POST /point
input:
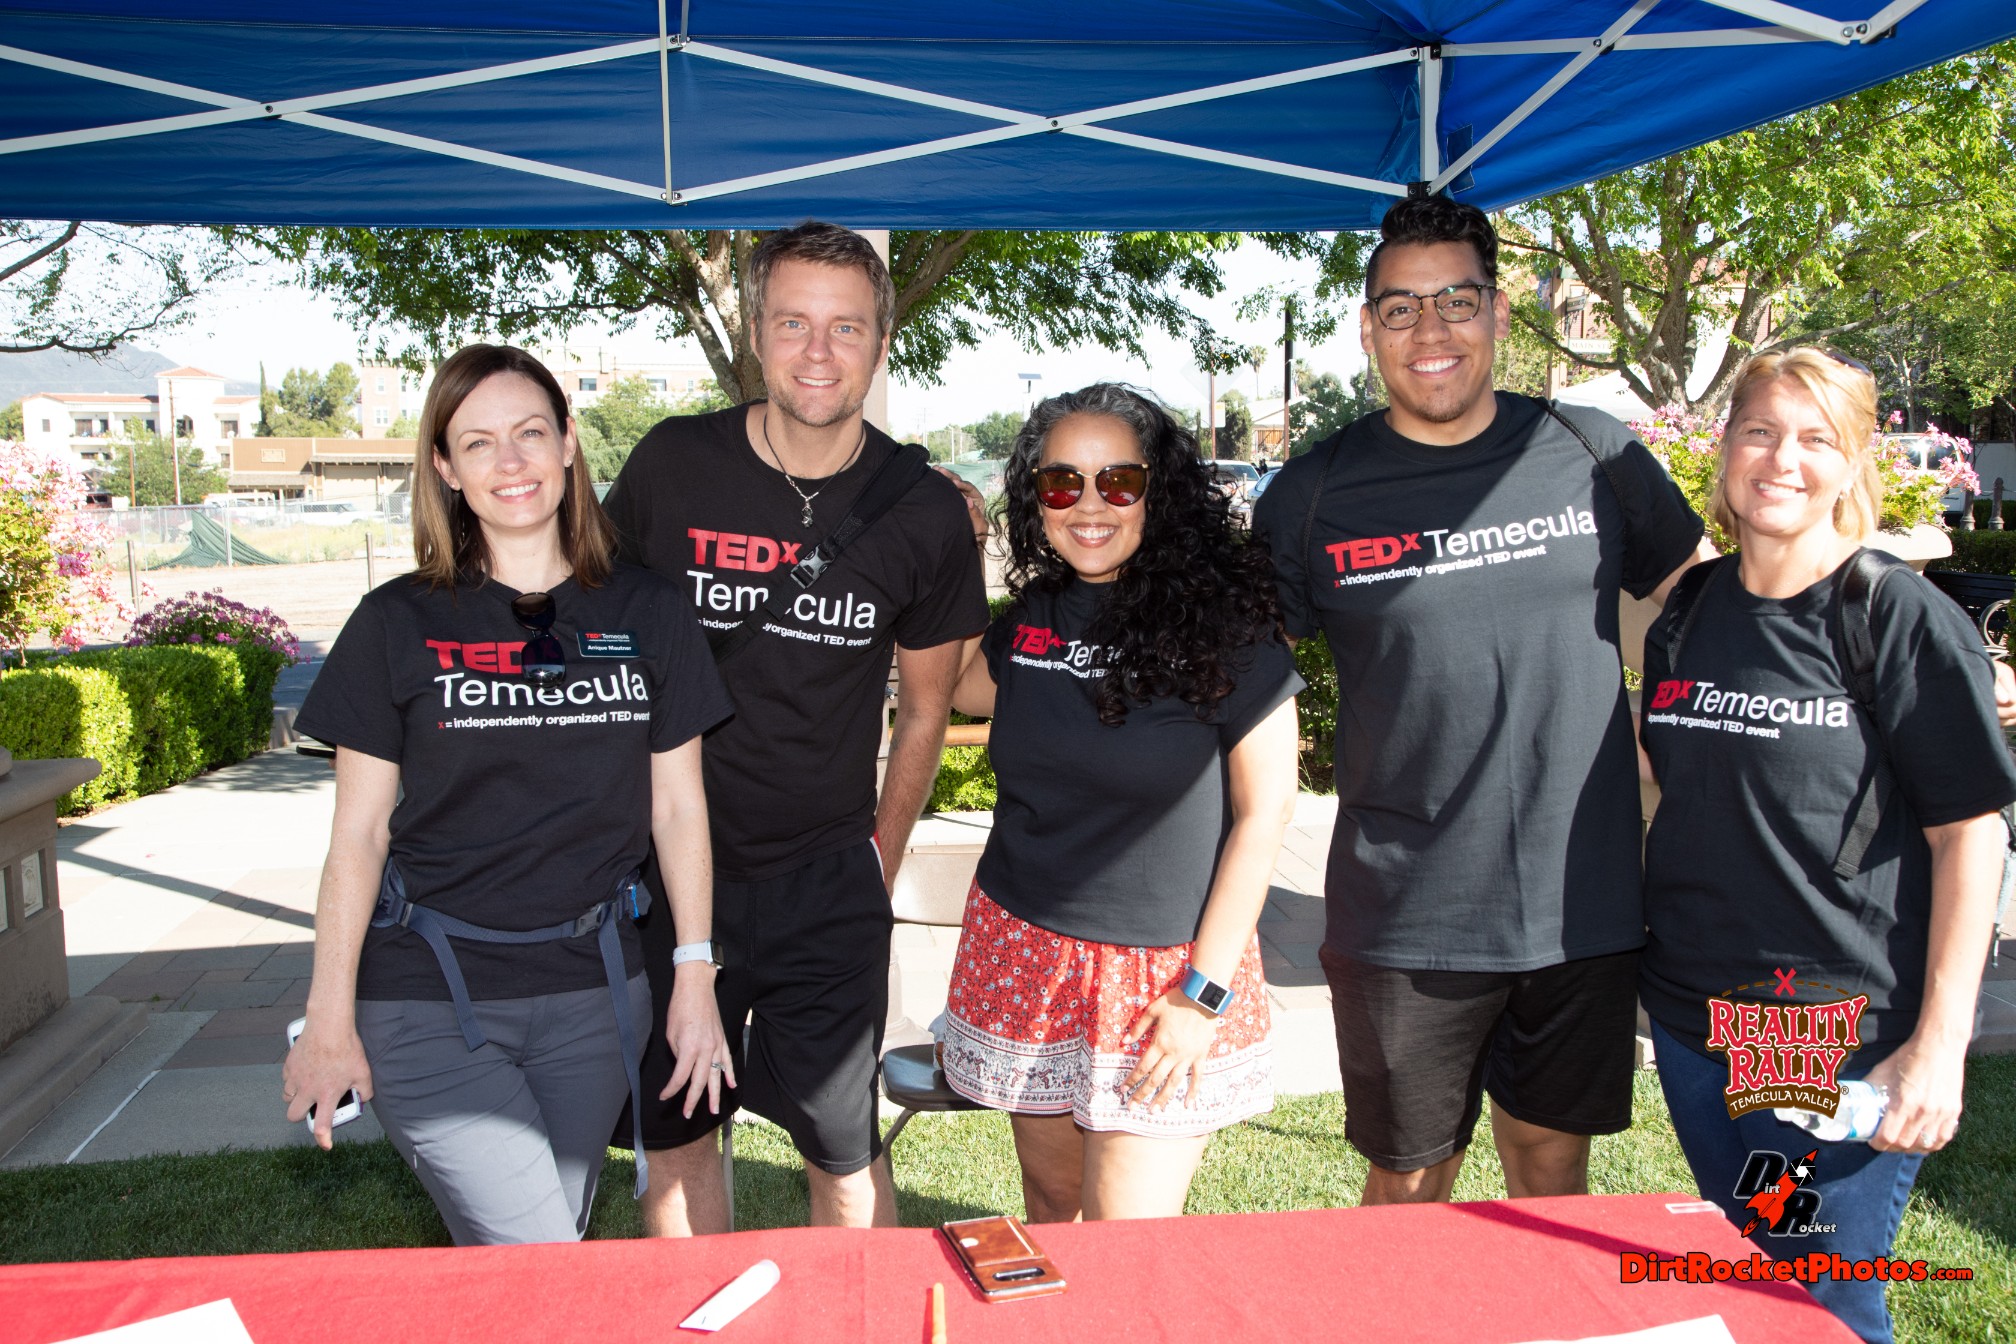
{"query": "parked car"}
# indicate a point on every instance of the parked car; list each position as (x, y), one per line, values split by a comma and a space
(329, 513)
(1236, 481)
(1930, 451)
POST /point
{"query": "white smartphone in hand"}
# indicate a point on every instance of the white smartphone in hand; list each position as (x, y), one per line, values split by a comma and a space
(348, 1109)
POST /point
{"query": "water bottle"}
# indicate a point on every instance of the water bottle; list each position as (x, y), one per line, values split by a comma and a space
(1856, 1119)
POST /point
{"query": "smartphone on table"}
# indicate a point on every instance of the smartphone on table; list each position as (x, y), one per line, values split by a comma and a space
(1002, 1258)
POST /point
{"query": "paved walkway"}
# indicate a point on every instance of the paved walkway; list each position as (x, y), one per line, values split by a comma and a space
(199, 903)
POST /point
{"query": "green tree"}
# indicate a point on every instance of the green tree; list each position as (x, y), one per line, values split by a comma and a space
(995, 435)
(953, 286)
(1327, 406)
(90, 288)
(12, 426)
(314, 405)
(405, 427)
(1951, 363)
(1905, 185)
(140, 460)
(625, 412)
(1236, 440)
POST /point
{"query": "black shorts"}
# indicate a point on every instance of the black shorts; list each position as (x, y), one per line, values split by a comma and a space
(807, 966)
(1419, 1049)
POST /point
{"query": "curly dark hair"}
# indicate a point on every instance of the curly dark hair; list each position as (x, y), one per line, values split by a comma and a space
(1189, 600)
(1420, 220)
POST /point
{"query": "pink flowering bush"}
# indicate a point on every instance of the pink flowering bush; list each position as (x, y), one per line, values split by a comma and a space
(53, 580)
(1689, 446)
(212, 618)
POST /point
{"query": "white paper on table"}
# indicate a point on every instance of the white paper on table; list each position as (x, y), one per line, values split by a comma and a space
(1700, 1330)
(745, 1292)
(212, 1323)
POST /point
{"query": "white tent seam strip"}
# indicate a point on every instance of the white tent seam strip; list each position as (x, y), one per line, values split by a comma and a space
(1704, 38)
(1430, 94)
(233, 108)
(872, 159)
(1540, 95)
(451, 150)
(1887, 18)
(814, 75)
(1211, 93)
(1274, 166)
(145, 83)
(1791, 16)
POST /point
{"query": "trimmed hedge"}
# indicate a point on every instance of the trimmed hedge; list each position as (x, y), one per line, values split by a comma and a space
(151, 716)
(54, 711)
(1981, 552)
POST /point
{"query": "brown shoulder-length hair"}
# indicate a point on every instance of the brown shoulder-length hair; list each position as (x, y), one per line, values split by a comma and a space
(448, 544)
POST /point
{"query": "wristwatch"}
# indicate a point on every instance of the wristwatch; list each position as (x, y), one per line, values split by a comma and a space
(709, 951)
(1206, 993)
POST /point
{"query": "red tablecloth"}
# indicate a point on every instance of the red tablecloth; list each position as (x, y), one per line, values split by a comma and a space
(1465, 1273)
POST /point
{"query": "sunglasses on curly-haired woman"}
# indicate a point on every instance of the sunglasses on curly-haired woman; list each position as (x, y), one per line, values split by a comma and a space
(1060, 486)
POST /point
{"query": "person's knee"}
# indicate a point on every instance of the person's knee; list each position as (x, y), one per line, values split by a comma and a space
(1052, 1191)
(699, 1159)
(1426, 1185)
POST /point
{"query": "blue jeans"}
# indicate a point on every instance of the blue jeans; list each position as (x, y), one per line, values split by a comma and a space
(1861, 1192)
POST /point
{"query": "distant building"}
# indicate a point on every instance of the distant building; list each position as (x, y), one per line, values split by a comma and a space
(322, 469)
(584, 383)
(87, 423)
(386, 393)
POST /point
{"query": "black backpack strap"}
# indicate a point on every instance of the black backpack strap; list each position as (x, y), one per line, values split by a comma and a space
(1331, 452)
(1855, 587)
(1683, 604)
(1622, 484)
(891, 481)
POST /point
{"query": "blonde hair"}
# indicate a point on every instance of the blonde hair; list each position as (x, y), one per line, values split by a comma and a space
(1846, 398)
(448, 544)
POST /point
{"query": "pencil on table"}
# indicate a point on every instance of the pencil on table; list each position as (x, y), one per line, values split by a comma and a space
(937, 1313)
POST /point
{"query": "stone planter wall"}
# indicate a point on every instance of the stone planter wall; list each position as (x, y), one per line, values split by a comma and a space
(34, 981)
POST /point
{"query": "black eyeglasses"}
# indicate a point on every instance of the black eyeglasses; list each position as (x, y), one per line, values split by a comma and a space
(543, 661)
(1398, 310)
(1061, 486)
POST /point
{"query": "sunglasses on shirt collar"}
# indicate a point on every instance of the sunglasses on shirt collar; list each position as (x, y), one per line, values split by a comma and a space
(1061, 486)
(543, 660)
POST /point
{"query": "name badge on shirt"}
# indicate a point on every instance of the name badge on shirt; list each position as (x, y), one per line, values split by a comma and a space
(608, 643)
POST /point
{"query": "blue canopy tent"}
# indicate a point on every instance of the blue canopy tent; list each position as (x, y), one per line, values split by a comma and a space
(1125, 114)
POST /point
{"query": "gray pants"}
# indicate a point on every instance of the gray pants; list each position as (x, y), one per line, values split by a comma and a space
(508, 1138)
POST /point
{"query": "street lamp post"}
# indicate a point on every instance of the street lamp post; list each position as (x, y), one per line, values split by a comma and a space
(1029, 381)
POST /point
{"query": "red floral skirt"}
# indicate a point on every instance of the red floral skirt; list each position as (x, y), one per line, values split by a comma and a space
(1036, 1022)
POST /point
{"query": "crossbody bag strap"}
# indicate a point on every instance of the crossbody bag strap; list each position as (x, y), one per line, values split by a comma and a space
(891, 481)
(1623, 485)
(1682, 606)
(1855, 629)
(1331, 453)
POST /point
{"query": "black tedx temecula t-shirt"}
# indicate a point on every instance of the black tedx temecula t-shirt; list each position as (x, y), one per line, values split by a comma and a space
(1108, 833)
(523, 806)
(1762, 754)
(792, 776)
(1487, 814)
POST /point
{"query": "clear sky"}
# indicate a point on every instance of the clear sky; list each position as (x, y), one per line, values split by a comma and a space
(261, 318)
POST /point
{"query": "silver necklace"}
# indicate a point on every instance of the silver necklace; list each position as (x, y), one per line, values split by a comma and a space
(805, 518)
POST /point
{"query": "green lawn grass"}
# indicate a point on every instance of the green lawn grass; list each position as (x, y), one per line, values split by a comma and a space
(949, 1166)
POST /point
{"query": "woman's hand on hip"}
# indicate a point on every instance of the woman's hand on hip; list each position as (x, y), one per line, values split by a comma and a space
(1925, 1083)
(1179, 1038)
(700, 1056)
(326, 1061)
